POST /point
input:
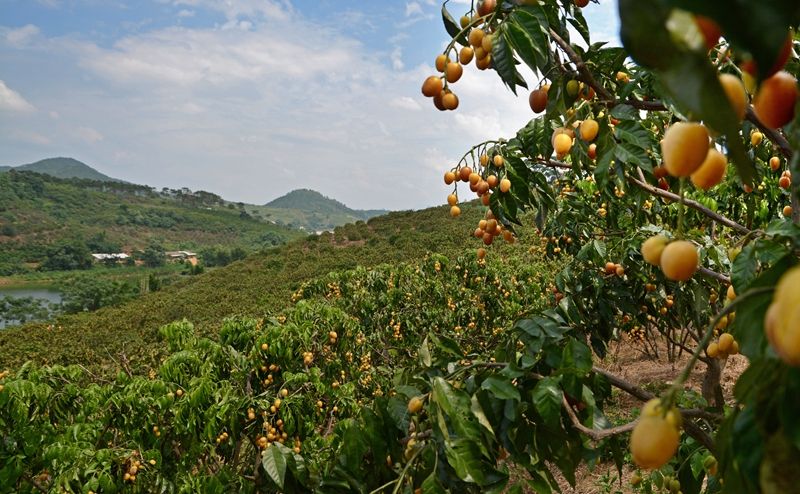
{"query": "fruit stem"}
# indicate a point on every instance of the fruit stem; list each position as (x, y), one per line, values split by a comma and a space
(473, 23)
(678, 383)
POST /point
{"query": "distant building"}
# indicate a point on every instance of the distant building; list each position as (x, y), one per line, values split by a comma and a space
(101, 257)
(181, 255)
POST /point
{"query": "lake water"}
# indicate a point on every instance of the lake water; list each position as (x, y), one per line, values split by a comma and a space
(49, 294)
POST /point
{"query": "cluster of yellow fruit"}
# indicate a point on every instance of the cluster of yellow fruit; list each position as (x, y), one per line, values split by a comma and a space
(614, 269)
(332, 337)
(133, 469)
(563, 138)
(308, 358)
(724, 347)
(483, 187)
(222, 438)
(786, 180)
(479, 49)
(782, 321)
(678, 259)
(655, 437)
(156, 431)
(489, 228)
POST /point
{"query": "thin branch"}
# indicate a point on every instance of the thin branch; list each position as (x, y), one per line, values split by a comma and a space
(773, 135)
(583, 70)
(688, 202)
(690, 427)
(594, 434)
(643, 105)
(713, 274)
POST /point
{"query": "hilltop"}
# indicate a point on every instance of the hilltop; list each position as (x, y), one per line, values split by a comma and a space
(259, 285)
(38, 211)
(62, 168)
(311, 211)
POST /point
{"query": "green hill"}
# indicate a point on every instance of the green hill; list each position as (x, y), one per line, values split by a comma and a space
(261, 284)
(38, 211)
(311, 211)
(62, 168)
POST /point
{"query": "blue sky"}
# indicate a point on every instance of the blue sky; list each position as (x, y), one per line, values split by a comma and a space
(248, 98)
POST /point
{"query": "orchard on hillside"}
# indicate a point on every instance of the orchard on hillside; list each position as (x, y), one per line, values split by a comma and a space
(485, 373)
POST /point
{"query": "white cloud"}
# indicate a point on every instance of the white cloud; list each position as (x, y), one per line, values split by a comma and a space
(186, 13)
(413, 8)
(397, 58)
(22, 35)
(88, 134)
(11, 100)
(30, 137)
(233, 9)
(406, 103)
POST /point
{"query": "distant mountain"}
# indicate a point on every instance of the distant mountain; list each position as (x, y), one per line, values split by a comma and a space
(62, 168)
(311, 211)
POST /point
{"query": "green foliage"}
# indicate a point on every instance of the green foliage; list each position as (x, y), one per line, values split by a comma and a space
(67, 255)
(88, 293)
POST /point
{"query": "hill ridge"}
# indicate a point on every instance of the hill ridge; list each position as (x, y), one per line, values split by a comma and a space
(62, 167)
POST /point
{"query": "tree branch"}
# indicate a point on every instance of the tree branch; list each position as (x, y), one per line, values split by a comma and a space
(713, 274)
(594, 434)
(690, 427)
(773, 135)
(585, 74)
(690, 203)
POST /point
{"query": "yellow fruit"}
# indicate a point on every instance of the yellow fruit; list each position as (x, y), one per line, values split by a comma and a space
(264, 347)
(679, 260)
(450, 101)
(486, 43)
(453, 72)
(734, 90)
(725, 342)
(452, 199)
(449, 178)
(684, 148)
(652, 249)
(432, 86)
(441, 62)
(711, 171)
(465, 55)
(775, 101)
(455, 211)
(481, 252)
(498, 160)
(414, 405)
(505, 185)
(589, 130)
(653, 442)
(734, 348)
(756, 138)
(713, 350)
(787, 211)
(562, 144)
(731, 294)
(774, 163)
(782, 321)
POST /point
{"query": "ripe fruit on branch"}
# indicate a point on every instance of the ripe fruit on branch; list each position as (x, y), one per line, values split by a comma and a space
(712, 171)
(655, 437)
(775, 101)
(455, 211)
(465, 55)
(734, 90)
(484, 63)
(453, 72)
(476, 37)
(573, 87)
(756, 138)
(589, 130)
(592, 151)
(774, 163)
(684, 148)
(452, 199)
(486, 7)
(787, 211)
(486, 43)
(782, 320)
(415, 405)
(652, 249)
(562, 144)
(449, 178)
(581, 3)
(679, 260)
(538, 100)
(432, 86)
(498, 160)
(441, 62)
(464, 173)
(505, 185)
(450, 101)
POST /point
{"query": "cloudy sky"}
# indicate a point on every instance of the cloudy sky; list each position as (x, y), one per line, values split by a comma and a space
(248, 98)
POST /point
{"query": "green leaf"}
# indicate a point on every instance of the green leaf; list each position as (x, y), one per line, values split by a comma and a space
(743, 271)
(547, 396)
(625, 112)
(503, 60)
(453, 29)
(501, 388)
(577, 357)
(425, 353)
(274, 463)
(465, 458)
